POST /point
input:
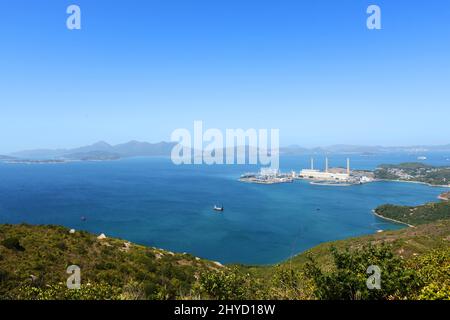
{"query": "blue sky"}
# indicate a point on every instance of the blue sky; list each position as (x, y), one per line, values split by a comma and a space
(140, 69)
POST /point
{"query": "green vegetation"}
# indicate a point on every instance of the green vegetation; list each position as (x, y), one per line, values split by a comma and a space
(412, 171)
(434, 270)
(349, 276)
(13, 244)
(416, 215)
(33, 262)
(228, 284)
(412, 248)
(408, 166)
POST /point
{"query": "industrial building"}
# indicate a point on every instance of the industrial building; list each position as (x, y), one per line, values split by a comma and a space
(327, 175)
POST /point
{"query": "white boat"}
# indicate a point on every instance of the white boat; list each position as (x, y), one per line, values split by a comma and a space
(217, 208)
(422, 158)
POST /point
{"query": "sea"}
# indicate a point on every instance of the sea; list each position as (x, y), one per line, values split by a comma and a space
(153, 202)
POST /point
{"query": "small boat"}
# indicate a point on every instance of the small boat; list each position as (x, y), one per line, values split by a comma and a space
(217, 208)
(422, 158)
(83, 218)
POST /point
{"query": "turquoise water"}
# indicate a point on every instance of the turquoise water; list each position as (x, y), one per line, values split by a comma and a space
(152, 202)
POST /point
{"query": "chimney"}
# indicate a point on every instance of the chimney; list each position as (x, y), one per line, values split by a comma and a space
(312, 163)
(326, 164)
(348, 166)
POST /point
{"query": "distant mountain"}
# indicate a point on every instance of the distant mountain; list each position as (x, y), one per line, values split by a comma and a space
(2, 157)
(99, 146)
(294, 150)
(136, 148)
(39, 153)
(344, 148)
(101, 150)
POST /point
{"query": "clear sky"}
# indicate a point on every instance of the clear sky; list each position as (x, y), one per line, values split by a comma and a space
(140, 69)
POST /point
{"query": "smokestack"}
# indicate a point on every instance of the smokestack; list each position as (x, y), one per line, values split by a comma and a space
(348, 166)
(326, 164)
(312, 163)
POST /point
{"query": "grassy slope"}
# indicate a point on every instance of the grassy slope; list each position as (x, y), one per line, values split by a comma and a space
(49, 250)
(407, 243)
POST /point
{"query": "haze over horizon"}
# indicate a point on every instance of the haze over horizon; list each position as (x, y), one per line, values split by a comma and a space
(138, 71)
(102, 144)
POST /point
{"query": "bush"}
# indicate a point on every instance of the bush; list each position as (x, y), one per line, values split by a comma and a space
(290, 284)
(226, 285)
(98, 291)
(433, 270)
(12, 243)
(347, 280)
(61, 246)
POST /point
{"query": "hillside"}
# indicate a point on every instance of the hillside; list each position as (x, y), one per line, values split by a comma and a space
(100, 150)
(407, 243)
(33, 262)
(38, 256)
(416, 215)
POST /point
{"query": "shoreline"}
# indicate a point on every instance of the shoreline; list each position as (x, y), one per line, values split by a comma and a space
(445, 196)
(393, 220)
(418, 182)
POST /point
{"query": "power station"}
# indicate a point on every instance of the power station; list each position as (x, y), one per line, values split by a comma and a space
(335, 174)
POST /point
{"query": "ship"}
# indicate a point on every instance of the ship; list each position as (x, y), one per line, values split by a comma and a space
(217, 208)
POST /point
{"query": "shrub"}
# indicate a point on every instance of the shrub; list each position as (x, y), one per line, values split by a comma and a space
(12, 243)
(98, 291)
(347, 280)
(433, 270)
(290, 284)
(226, 285)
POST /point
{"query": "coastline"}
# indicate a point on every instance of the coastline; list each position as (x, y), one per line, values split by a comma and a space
(393, 220)
(418, 182)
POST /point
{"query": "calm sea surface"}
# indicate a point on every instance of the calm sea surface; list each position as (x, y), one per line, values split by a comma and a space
(153, 202)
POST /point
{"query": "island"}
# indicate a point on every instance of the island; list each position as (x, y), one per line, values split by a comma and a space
(79, 156)
(36, 161)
